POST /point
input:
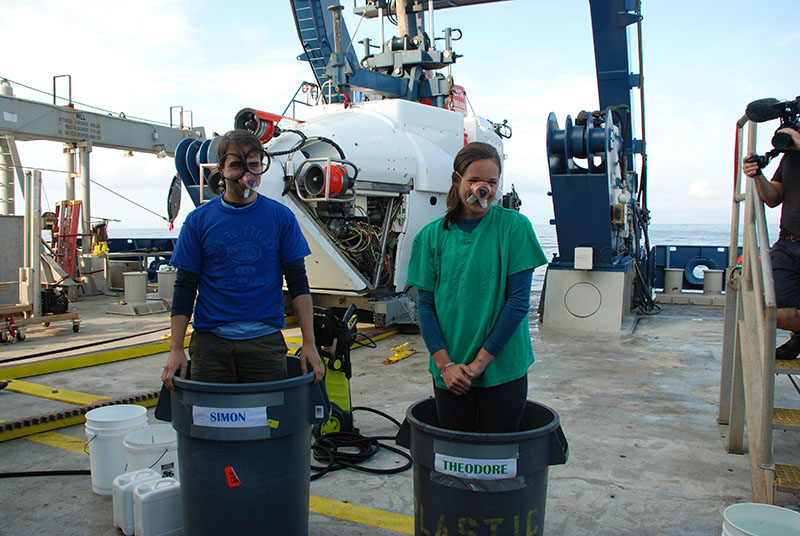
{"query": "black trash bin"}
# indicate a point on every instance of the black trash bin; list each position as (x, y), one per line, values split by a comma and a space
(483, 484)
(243, 453)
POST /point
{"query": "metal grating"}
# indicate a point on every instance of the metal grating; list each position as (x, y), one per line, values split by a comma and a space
(787, 366)
(786, 419)
(787, 478)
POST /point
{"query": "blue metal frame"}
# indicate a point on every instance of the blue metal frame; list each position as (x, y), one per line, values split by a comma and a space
(592, 164)
(393, 73)
(314, 24)
(610, 19)
(686, 258)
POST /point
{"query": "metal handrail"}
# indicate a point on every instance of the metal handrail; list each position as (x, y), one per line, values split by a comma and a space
(748, 363)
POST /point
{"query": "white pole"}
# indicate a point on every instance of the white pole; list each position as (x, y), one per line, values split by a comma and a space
(26, 221)
(6, 179)
(86, 216)
(430, 14)
(380, 16)
(69, 161)
(36, 242)
(6, 164)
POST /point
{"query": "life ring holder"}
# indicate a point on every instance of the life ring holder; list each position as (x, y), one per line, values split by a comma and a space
(688, 271)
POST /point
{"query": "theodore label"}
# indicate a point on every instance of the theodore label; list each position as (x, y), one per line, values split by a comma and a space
(478, 469)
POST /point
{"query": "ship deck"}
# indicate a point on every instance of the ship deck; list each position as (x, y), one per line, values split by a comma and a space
(639, 411)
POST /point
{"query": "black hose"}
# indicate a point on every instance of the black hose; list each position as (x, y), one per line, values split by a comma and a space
(80, 346)
(337, 450)
(329, 142)
(296, 147)
(58, 472)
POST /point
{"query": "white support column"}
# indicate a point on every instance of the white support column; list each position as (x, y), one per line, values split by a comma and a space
(86, 216)
(70, 150)
(6, 179)
(6, 164)
(35, 261)
(30, 273)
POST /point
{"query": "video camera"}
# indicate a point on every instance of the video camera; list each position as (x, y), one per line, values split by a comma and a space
(762, 110)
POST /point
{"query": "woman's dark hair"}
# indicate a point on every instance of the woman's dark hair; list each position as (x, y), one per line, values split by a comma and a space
(471, 152)
(244, 140)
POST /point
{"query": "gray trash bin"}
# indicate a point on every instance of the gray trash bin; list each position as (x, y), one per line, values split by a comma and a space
(243, 450)
(483, 484)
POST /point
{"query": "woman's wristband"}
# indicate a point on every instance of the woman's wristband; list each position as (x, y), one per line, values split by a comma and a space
(445, 367)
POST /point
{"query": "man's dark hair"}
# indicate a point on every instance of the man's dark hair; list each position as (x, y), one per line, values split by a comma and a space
(471, 152)
(241, 139)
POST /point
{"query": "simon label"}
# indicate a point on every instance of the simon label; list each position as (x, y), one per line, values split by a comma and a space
(229, 417)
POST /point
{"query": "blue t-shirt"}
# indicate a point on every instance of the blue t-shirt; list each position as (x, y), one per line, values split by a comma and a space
(238, 253)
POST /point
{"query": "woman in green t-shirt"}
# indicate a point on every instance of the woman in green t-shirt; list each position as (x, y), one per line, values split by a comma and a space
(473, 270)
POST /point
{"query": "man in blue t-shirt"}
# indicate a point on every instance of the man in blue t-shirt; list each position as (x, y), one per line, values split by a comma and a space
(232, 255)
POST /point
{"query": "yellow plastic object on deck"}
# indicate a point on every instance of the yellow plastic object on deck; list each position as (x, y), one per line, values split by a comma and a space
(381, 519)
(61, 441)
(400, 352)
(53, 393)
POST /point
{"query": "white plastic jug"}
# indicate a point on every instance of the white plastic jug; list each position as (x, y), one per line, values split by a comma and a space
(122, 496)
(157, 508)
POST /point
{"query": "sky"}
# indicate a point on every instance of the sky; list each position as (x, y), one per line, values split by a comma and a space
(522, 59)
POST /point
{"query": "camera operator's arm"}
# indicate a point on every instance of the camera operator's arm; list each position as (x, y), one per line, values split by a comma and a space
(770, 192)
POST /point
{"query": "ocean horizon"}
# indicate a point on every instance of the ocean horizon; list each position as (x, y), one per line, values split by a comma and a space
(670, 234)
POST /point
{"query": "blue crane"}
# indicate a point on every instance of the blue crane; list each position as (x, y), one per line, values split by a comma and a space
(599, 198)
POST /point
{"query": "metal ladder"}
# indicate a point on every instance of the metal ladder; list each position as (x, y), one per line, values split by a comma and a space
(749, 369)
(65, 236)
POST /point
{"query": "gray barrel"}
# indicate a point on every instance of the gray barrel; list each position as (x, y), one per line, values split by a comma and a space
(483, 484)
(243, 450)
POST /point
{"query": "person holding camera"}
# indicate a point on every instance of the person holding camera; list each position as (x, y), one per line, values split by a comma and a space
(784, 188)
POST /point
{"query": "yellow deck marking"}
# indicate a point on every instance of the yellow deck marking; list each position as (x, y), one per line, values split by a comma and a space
(88, 360)
(99, 358)
(361, 514)
(52, 393)
(65, 442)
(328, 507)
(26, 431)
(32, 429)
(299, 340)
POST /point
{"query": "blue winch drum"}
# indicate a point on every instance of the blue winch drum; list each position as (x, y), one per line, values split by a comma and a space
(483, 484)
(243, 450)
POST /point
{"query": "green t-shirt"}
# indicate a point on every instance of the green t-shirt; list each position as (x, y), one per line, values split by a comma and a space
(467, 274)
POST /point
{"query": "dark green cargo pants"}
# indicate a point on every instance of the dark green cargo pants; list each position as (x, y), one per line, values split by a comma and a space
(215, 359)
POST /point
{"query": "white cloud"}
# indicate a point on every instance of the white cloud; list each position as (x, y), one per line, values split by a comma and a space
(521, 61)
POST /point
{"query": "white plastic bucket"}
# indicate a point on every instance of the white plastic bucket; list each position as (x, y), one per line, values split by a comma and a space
(166, 281)
(756, 519)
(712, 281)
(135, 287)
(673, 280)
(153, 447)
(105, 429)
